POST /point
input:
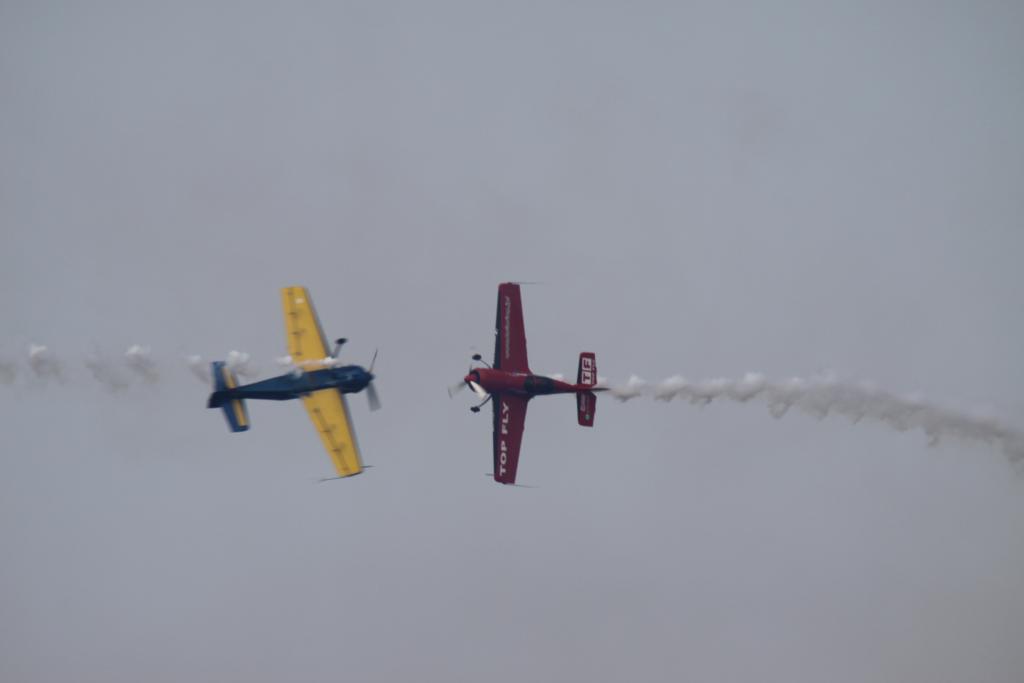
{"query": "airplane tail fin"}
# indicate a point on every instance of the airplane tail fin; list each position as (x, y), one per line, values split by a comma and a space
(586, 401)
(587, 373)
(224, 382)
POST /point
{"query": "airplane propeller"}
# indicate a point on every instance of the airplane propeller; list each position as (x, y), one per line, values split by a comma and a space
(477, 389)
(461, 384)
(371, 391)
(371, 397)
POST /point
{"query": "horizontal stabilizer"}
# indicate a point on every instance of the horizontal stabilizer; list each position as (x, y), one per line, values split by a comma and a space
(586, 405)
(224, 383)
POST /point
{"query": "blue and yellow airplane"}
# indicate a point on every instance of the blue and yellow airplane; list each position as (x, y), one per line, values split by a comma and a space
(318, 380)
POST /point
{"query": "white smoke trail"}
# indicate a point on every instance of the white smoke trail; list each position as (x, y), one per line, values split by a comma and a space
(827, 394)
(631, 389)
(140, 360)
(198, 368)
(240, 363)
(293, 366)
(8, 371)
(287, 364)
(44, 364)
(105, 372)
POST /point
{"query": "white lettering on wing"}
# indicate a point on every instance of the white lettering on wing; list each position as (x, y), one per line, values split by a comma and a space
(508, 320)
(503, 446)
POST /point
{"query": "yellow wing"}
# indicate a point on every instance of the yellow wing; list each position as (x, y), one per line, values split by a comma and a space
(329, 412)
(305, 338)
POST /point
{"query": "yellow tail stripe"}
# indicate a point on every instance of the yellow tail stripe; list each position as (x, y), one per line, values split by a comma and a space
(236, 404)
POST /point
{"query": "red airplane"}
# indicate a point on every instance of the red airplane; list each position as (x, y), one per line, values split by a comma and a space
(510, 384)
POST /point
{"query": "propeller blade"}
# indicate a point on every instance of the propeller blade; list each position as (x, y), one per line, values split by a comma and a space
(478, 390)
(456, 388)
(373, 361)
(371, 396)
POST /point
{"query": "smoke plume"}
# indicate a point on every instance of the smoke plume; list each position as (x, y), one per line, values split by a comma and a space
(137, 363)
(44, 364)
(240, 363)
(827, 394)
(198, 368)
(106, 372)
(139, 360)
(8, 371)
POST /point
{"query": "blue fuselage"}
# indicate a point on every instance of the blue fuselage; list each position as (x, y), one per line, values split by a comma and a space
(348, 379)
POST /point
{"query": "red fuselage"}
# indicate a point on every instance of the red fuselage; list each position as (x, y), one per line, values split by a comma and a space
(522, 383)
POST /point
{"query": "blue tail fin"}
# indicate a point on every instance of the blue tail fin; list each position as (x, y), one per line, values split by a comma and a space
(224, 383)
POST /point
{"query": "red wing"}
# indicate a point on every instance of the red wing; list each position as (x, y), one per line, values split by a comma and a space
(509, 420)
(510, 340)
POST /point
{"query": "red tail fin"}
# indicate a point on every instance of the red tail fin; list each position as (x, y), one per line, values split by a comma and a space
(586, 401)
(587, 373)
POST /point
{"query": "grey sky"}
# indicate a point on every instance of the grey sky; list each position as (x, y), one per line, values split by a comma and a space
(705, 190)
